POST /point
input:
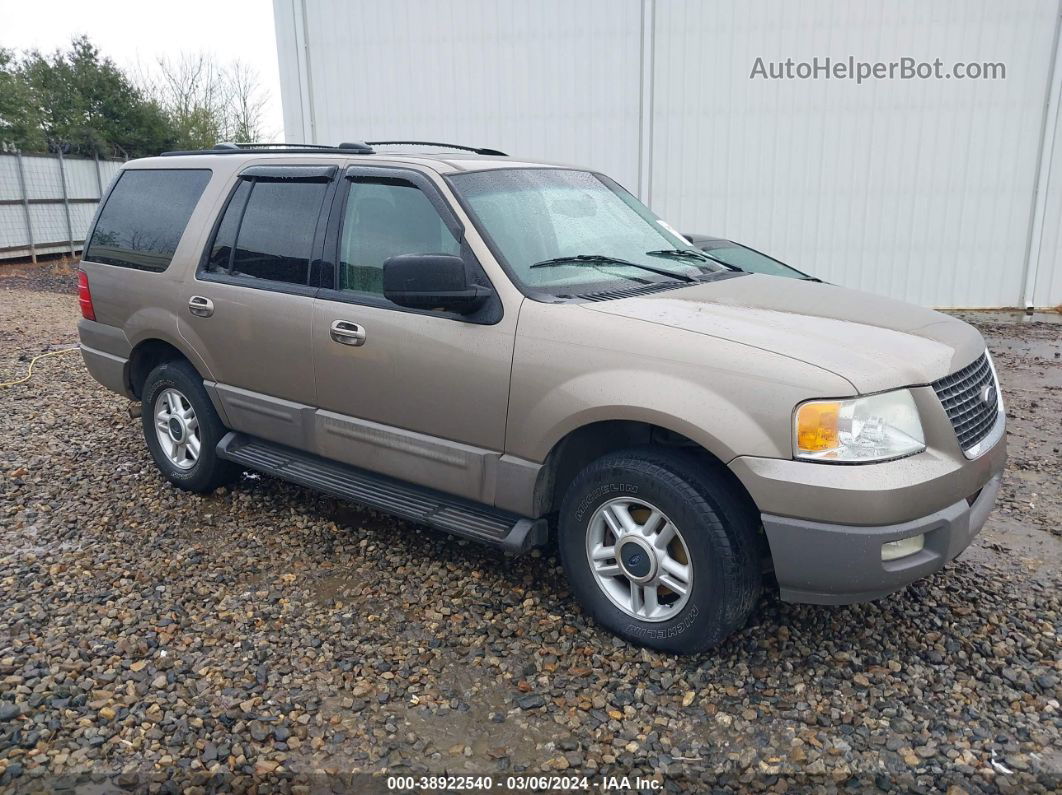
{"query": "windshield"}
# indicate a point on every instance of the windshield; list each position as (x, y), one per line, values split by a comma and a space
(749, 259)
(541, 219)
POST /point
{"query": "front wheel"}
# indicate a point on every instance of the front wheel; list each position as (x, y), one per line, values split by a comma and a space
(659, 550)
(182, 429)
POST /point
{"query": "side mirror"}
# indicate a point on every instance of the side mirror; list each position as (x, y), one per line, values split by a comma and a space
(431, 281)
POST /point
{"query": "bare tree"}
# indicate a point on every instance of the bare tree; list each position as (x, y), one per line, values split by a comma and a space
(208, 102)
(246, 104)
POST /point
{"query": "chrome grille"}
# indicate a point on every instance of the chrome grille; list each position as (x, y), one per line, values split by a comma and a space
(962, 395)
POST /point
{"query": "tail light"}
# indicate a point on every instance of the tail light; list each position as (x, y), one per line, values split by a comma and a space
(84, 296)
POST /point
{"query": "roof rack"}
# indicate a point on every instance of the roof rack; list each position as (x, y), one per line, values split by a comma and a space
(347, 147)
(228, 148)
(478, 150)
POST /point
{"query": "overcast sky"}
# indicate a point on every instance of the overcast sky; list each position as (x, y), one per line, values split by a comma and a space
(133, 33)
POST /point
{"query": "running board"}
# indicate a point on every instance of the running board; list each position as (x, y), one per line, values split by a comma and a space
(435, 509)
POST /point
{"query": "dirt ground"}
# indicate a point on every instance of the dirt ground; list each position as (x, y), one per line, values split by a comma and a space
(1027, 523)
(154, 640)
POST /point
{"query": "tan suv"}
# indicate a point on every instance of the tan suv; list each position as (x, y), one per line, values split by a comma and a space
(503, 349)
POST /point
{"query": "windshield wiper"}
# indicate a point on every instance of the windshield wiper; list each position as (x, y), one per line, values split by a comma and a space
(685, 253)
(678, 253)
(703, 256)
(602, 259)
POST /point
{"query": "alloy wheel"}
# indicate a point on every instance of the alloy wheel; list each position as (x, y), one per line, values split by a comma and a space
(177, 428)
(639, 559)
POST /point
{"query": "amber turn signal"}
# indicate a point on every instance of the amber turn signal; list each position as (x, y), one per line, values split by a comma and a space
(816, 426)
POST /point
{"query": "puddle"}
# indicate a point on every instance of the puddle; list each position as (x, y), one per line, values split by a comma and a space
(333, 587)
(1005, 541)
(1029, 357)
(515, 740)
(1036, 350)
(25, 542)
(483, 726)
(981, 317)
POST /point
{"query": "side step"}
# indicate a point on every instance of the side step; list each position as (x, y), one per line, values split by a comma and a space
(435, 509)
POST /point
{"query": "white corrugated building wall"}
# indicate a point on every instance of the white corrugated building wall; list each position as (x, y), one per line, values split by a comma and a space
(945, 192)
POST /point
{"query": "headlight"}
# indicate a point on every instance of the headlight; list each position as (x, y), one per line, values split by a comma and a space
(858, 430)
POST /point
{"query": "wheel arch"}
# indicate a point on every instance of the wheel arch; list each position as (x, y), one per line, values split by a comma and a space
(582, 445)
(147, 354)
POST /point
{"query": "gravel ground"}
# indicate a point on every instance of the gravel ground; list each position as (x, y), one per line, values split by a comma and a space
(156, 640)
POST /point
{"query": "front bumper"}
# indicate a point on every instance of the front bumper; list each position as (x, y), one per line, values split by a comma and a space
(822, 563)
(825, 523)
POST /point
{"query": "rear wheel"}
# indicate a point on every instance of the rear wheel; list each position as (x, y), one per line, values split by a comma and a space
(659, 550)
(182, 429)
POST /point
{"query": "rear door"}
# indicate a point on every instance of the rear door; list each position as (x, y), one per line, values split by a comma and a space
(250, 308)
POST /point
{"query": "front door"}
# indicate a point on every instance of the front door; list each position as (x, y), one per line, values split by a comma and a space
(418, 395)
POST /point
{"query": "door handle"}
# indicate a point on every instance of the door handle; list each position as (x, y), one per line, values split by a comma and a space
(200, 306)
(346, 333)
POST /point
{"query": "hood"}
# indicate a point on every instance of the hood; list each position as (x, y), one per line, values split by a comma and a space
(875, 343)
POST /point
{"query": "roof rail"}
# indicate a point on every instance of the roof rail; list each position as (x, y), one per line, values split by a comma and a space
(459, 147)
(349, 147)
(228, 148)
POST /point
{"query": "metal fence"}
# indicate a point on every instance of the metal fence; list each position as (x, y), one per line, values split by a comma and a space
(47, 202)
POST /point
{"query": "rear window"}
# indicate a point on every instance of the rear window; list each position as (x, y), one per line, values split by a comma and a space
(144, 217)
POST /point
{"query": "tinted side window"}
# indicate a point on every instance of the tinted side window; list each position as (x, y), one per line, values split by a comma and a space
(225, 240)
(144, 217)
(384, 218)
(276, 234)
(267, 231)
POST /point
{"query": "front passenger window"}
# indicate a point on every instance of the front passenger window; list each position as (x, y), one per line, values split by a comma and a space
(386, 217)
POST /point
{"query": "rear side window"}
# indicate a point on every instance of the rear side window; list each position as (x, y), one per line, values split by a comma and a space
(220, 260)
(267, 231)
(144, 217)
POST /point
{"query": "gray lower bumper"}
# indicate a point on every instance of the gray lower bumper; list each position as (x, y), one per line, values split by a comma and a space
(824, 563)
(106, 368)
